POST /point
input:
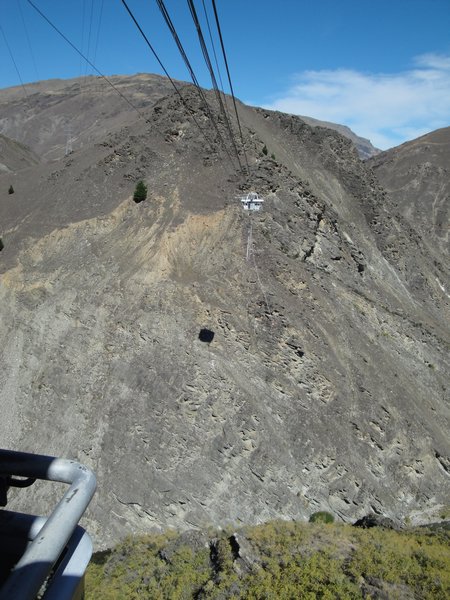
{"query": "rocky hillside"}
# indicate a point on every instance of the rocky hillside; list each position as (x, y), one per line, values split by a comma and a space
(325, 386)
(15, 156)
(86, 109)
(363, 146)
(417, 176)
(83, 110)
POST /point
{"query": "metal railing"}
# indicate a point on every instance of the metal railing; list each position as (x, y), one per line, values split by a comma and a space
(56, 550)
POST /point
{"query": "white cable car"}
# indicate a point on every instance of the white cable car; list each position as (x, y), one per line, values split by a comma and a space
(252, 201)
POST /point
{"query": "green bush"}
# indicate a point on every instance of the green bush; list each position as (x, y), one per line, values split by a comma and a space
(265, 151)
(11, 190)
(321, 517)
(140, 192)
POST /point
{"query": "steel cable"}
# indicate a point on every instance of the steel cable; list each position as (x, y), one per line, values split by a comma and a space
(108, 81)
(14, 63)
(229, 78)
(185, 58)
(183, 101)
(213, 77)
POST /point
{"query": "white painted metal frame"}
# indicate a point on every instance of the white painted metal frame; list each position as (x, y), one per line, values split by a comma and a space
(52, 537)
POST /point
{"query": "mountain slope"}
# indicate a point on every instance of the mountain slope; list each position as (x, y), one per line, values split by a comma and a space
(83, 110)
(325, 385)
(363, 146)
(15, 156)
(417, 175)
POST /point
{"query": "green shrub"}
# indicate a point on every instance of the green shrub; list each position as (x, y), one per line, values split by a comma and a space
(321, 517)
(140, 192)
(11, 190)
(265, 151)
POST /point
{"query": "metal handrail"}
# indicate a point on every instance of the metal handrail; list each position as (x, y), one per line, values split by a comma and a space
(38, 560)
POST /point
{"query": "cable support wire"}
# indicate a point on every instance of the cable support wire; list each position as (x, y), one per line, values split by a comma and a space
(91, 17)
(108, 81)
(98, 32)
(14, 63)
(19, 3)
(175, 36)
(216, 60)
(213, 77)
(229, 78)
(153, 51)
(83, 12)
(214, 52)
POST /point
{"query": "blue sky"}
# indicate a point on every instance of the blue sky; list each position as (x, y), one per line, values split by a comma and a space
(380, 66)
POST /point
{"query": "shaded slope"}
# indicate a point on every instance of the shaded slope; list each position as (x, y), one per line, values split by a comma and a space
(15, 156)
(325, 386)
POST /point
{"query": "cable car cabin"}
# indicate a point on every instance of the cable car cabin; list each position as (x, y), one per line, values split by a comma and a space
(252, 201)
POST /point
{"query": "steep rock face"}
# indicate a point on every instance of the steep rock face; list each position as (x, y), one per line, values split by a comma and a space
(417, 176)
(364, 147)
(325, 385)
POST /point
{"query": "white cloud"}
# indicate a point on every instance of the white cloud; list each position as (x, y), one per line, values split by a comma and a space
(388, 109)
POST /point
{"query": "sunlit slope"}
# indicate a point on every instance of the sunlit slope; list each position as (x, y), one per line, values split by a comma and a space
(325, 386)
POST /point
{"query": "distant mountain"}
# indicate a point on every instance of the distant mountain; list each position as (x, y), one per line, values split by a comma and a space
(83, 109)
(364, 147)
(88, 108)
(417, 176)
(325, 384)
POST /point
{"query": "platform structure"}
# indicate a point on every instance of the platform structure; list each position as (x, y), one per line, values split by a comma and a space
(252, 201)
(44, 557)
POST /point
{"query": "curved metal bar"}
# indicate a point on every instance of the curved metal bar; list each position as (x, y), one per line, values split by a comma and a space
(21, 483)
(36, 563)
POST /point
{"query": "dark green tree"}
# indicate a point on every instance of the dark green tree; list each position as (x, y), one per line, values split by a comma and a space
(265, 151)
(11, 190)
(2, 245)
(140, 192)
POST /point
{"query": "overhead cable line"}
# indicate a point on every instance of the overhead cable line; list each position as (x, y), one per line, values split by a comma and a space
(89, 38)
(213, 77)
(98, 32)
(28, 40)
(229, 77)
(14, 63)
(183, 101)
(213, 45)
(82, 36)
(108, 81)
(211, 39)
(175, 36)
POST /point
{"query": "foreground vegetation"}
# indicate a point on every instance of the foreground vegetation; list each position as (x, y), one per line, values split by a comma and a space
(278, 560)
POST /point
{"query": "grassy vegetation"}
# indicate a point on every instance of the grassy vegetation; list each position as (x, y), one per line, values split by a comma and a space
(278, 560)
